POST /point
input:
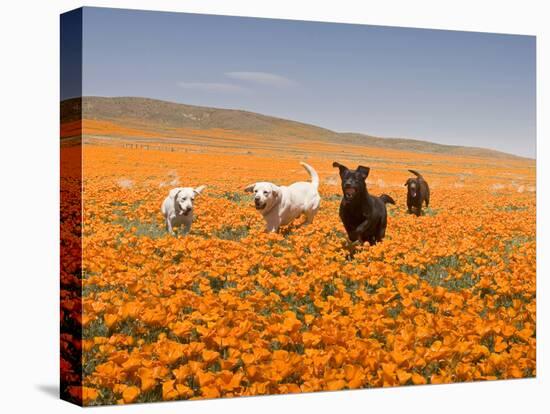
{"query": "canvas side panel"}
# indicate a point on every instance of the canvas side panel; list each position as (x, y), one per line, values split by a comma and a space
(71, 207)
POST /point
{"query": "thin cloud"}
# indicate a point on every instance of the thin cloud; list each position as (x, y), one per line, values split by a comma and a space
(262, 78)
(212, 86)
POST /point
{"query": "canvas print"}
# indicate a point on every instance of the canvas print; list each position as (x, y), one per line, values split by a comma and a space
(257, 206)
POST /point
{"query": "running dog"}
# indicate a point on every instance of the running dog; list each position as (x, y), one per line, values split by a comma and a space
(418, 192)
(364, 216)
(177, 207)
(281, 204)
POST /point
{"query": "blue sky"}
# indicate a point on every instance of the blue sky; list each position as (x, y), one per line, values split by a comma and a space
(449, 87)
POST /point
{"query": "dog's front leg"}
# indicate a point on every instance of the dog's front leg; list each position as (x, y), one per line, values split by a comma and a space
(169, 228)
(187, 228)
(361, 228)
(352, 236)
(272, 224)
(269, 228)
(350, 230)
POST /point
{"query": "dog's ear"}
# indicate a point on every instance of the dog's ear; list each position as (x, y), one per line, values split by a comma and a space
(364, 171)
(174, 192)
(276, 190)
(249, 188)
(341, 167)
(199, 189)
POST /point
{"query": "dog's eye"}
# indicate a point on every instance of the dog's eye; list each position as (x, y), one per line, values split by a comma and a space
(265, 192)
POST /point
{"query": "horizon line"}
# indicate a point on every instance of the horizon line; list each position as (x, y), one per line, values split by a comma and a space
(305, 123)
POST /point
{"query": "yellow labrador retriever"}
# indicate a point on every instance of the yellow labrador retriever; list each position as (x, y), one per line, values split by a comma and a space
(281, 204)
(177, 207)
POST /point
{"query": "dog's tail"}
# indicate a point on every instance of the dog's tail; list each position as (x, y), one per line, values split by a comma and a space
(312, 173)
(416, 173)
(387, 199)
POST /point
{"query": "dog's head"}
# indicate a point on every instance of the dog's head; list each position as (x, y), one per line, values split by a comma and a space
(353, 181)
(184, 197)
(412, 187)
(266, 195)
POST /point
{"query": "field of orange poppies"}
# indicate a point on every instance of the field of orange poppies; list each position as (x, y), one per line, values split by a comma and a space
(229, 310)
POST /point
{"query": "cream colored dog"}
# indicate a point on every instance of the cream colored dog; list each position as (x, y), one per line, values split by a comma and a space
(177, 208)
(280, 204)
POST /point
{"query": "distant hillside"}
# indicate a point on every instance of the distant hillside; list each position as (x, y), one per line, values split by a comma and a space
(160, 115)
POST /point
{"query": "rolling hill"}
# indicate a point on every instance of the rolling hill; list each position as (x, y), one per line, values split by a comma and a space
(163, 118)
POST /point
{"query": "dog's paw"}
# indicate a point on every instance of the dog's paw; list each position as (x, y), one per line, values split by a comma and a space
(356, 236)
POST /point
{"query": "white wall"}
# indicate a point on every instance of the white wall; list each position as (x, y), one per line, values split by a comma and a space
(29, 202)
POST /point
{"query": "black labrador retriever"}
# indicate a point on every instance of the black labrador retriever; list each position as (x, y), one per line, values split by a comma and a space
(418, 192)
(364, 216)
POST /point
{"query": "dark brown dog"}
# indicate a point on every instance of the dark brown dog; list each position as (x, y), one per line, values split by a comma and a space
(364, 216)
(418, 192)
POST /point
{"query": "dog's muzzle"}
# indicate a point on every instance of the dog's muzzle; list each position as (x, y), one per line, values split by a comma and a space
(186, 211)
(258, 204)
(349, 192)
